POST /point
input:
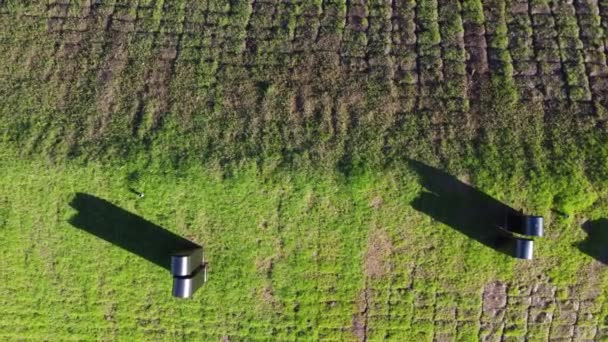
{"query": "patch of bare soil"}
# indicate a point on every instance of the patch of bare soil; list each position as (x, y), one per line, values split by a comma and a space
(376, 202)
(590, 288)
(360, 318)
(268, 299)
(494, 298)
(379, 249)
(265, 265)
(113, 66)
(158, 83)
(376, 265)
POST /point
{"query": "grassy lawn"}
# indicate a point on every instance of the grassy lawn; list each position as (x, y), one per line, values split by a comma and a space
(341, 163)
(292, 254)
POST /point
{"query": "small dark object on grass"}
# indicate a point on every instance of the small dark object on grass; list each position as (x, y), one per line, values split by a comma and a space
(139, 194)
(561, 213)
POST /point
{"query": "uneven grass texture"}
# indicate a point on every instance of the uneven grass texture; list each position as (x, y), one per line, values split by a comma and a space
(280, 135)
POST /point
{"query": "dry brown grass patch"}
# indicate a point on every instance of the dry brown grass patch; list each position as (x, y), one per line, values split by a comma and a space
(360, 318)
(379, 249)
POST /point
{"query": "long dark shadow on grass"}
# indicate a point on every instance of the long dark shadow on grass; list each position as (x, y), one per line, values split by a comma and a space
(133, 233)
(596, 243)
(464, 208)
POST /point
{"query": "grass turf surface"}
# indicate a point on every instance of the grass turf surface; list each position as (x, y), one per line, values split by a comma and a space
(291, 255)
(279, 136)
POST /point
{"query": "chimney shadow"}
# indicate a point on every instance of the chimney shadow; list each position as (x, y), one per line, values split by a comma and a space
(126, 230)
(466, 209)
(596, 243)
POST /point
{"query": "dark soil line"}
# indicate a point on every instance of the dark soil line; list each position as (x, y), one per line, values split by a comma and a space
(139, 112)
(562, 65)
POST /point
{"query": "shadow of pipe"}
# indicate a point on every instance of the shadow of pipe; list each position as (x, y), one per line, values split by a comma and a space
(466, 209)
(126, 230)
(596, 243)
